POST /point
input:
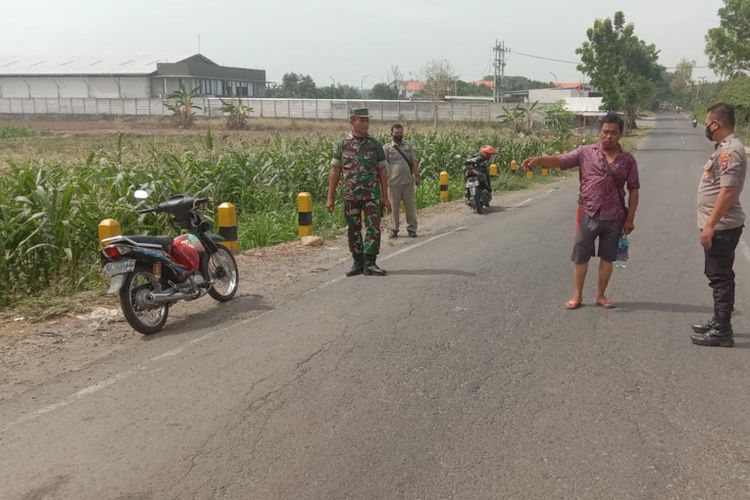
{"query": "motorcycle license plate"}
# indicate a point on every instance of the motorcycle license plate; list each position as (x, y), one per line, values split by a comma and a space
(119, 267)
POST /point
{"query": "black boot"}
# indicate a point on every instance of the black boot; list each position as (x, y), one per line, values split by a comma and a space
(358, 266)
(371, 268)
(720, 334)
(704, 327)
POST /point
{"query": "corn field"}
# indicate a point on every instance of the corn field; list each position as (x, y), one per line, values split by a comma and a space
(49, 213)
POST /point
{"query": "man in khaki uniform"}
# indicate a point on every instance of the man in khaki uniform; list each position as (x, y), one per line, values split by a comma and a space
(720, 220)
(403, 175)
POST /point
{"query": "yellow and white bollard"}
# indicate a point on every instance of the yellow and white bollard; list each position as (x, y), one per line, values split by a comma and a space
(530, 174)
(443, 186)
(228, 226)
(493, 170)
(514, 165)
(107, 229)
(304, 209)
(545, 171)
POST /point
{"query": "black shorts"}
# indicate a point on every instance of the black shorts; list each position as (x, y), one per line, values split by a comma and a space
(588, 229)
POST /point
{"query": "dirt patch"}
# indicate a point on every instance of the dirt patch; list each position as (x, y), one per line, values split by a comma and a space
(166, 127)
(32, 353)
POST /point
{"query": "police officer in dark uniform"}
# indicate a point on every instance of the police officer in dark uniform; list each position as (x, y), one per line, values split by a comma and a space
(720, 220)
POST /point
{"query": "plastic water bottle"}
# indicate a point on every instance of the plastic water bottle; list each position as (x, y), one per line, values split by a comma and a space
(622, 252)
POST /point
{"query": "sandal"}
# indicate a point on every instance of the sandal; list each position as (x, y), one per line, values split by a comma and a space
(573, 304)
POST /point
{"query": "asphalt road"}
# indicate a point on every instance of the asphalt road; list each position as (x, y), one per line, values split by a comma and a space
(459, 375)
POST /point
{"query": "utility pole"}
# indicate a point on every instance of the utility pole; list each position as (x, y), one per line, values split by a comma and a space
(499, 64)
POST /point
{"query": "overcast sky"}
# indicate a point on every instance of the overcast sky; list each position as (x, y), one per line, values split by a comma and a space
(352, 41)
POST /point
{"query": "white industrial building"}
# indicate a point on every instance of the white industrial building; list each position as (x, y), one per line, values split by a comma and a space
(561, 91)
(140, 77)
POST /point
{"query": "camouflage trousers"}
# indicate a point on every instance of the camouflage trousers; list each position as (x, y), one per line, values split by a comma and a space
(353, 210)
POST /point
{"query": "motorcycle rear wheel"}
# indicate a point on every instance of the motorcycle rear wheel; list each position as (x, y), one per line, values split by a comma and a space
(221, 270)
(144, 320)
(478, 203)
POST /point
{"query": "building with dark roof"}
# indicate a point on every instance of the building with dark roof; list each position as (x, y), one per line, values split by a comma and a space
(140, 77)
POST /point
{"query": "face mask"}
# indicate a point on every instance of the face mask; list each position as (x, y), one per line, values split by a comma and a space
(709, 132)
(398, 138)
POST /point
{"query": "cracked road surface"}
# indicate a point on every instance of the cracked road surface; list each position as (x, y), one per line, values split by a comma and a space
(459, 375)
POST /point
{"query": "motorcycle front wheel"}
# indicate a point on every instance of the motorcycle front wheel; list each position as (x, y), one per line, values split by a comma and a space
(146, 320)
(221, 270)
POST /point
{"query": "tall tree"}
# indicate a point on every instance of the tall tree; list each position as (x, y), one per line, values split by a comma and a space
(469, 89)
(728, 46)
(306, 88)
(295, 85)
(736, 92)
(439, 81)
(511, 83)
(383, 91)
(623, 67)
(681, 83)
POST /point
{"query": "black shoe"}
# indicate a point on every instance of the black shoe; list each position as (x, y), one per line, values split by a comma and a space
(357, 267)
(392, 234)
(371, 268)
(412, 234)
(704, 327)
(723, 337)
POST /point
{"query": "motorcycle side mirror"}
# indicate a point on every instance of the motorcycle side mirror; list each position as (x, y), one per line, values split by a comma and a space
(140, 194)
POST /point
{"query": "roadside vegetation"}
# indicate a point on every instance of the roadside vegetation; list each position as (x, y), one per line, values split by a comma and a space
(13, 132)
(50, 210)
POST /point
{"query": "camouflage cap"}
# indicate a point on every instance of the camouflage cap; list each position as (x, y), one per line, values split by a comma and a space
(363, 112)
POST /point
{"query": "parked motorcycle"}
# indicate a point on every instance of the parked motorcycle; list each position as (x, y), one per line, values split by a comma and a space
(153, 272)
(478, 190)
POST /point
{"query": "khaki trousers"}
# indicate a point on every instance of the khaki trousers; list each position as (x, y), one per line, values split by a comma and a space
(405, 193)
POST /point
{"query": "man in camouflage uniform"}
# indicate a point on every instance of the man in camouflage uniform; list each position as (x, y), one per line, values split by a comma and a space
(720, 221)
(361, 160)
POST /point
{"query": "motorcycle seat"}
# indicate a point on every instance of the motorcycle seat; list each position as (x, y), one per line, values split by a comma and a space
(164, 241)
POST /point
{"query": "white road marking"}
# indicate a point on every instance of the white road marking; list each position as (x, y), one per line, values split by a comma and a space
(524, 202)
(417, 245)
(74, 397)
(86, 391)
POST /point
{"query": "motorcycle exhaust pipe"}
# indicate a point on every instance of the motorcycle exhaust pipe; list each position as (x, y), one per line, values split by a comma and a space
(159, 298)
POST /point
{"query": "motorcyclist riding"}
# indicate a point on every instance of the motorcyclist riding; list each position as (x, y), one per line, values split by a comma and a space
(482, 163)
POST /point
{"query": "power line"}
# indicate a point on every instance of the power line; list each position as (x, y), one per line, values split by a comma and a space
(578, 62)
(543, 58)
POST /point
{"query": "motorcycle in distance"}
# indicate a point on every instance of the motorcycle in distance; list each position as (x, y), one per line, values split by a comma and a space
(153, 272)
(478, 190)
(695, 122)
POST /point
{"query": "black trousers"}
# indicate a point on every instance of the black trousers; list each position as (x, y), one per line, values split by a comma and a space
(719, 263)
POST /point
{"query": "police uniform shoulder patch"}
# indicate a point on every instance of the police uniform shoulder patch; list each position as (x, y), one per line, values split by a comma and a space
(724, 161)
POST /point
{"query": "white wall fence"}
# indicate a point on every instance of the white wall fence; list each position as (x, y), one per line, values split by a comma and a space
(321, 109)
